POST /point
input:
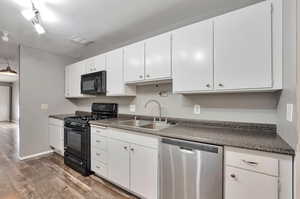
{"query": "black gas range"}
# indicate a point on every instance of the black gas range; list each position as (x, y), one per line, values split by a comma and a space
(77, 136)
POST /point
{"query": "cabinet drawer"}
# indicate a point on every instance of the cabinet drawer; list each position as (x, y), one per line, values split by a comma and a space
(252, 162)
(99, 142)
(99, 168)
(99, 131)
(98, 155)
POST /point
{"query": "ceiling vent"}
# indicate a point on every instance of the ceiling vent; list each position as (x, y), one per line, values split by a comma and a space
(80, 40)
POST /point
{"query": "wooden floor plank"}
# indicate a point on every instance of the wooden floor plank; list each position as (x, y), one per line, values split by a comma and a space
(45, 177)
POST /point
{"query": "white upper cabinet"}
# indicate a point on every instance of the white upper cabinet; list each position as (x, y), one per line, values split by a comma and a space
(243, 48)
(193, 57)
(158, 57)
(73, 80)
(115, 79)
(67, 80)
(134, 62)
(95, 64)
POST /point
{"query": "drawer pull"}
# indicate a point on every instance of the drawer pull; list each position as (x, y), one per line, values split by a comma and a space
(125, 147)
(98, 167)
(251, 163)
(98, 141)
(98, 131)
(98, 154)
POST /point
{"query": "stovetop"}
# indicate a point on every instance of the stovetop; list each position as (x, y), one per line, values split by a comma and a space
(86, 119)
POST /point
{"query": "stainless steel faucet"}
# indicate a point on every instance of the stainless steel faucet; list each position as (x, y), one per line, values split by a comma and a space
(158, 104)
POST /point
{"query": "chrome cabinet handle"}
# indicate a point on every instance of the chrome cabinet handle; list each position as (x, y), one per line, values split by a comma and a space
(98, 167)
(233, 176)
(207, 85)
(98, 141)
(251, 163)
(98, 154)
(221, 85)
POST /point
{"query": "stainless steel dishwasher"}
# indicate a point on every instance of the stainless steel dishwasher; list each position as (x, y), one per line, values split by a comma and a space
(190, 170)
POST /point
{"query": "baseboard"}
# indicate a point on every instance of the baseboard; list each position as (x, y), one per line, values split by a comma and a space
(35, 155)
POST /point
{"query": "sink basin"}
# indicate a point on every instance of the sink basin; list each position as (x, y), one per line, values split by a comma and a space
(145, 124)
(135, 123)
(156, 125)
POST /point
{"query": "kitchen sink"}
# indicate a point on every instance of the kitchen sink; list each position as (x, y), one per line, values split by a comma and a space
(146, 124)
(135, 123)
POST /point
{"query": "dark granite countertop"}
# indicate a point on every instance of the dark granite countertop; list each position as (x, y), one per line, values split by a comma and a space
(63, 116)
(260, 137)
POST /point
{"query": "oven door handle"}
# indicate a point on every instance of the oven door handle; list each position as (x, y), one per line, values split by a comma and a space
(73, 129)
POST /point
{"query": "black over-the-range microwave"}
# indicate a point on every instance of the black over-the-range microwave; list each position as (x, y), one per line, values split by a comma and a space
(93, 83)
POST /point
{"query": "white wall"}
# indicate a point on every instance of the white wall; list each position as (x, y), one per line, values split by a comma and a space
(288, 96)
(244, 107)
(41, 82)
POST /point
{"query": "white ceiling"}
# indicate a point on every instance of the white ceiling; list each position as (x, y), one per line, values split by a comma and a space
(110, 23)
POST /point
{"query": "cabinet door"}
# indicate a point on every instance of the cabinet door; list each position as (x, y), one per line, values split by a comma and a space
(115, 84)
(245, 184)
(100, 62)
(118, 162)
(158, 57)
(243, 48)
(89, 64)
(54, 136)
(67, 81)
(77, 69)
(193, 57)
(143, 171)
(134, 62)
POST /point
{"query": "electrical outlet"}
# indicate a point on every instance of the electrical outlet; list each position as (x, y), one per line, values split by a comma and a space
(44, 107)
(132, 108)
(197, 109)
(289, 112)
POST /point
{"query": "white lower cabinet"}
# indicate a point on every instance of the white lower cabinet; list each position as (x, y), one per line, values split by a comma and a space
(56, 135)
(260, 175)
(245, 184)
(143, 171)
(127, 159)
(118, 161)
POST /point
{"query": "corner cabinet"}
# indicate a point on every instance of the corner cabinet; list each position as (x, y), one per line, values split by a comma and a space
(115, 75)
(137, 155)
(253, 174)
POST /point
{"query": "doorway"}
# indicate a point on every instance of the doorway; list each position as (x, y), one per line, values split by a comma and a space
(5, 103)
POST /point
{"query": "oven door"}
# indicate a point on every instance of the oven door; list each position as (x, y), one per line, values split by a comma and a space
(75, 142)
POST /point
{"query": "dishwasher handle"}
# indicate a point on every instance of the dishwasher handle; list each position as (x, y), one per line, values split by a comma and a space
(189, 147)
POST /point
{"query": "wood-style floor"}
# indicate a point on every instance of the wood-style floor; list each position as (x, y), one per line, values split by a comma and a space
(45, 177)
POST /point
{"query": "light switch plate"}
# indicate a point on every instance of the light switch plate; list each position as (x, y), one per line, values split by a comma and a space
(289, 112)
(132, 108)
(44, 106)
(197, 109)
